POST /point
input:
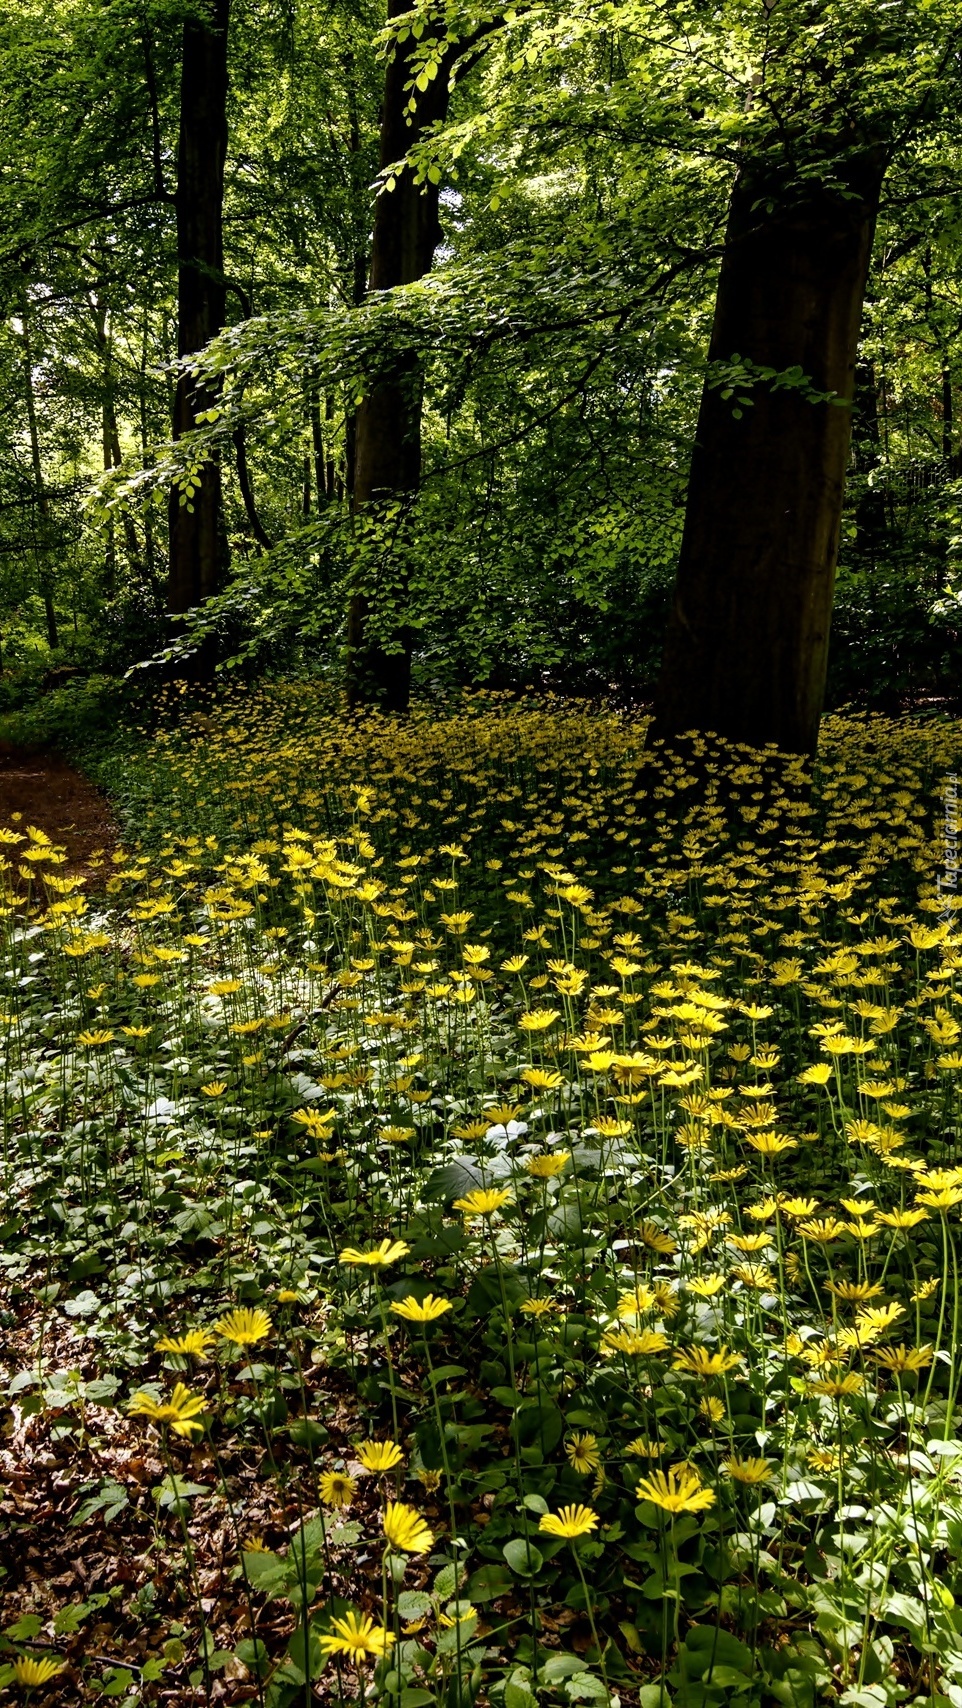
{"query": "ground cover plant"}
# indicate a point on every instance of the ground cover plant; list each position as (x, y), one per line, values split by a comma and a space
(481, 1219)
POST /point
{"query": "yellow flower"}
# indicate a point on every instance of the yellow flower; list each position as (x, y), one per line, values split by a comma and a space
(698, 1361)
(818, 1074)
(540, 1079)
(635, 1303)
(645, 1344)
(244, 1327)
(750, 1470)
(30, 1672)
(483, 1202)
(823, 1231)
(336, 1489)
(91, 1039)
(379, 1455)
(945, 1199)
(853, 1292)
(656, 1239)
(193, 1343)
(405, 1529)
(426, 1311)
(707, 1287)
(546, 1167)
(839, 1387)
(676, 1490)
(356, 1635)
(582, 1452)
(770, 1144)
(214, 1088)
(538, 1307)
(712, 1409)
(389, 1251)
(796, 1207)
(570, 1522)
(539, 1019)
(902, 1218)
(180, 1411)
(900, 1359)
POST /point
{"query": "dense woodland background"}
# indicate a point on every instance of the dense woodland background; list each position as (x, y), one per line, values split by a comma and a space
(449, 415)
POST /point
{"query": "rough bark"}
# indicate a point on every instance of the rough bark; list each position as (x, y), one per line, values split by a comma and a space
(384, 459)
(197, 536)
(747, 643)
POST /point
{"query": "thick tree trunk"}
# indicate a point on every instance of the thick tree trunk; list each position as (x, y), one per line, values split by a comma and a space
(385, 457)
(197, 536)
(747, 642)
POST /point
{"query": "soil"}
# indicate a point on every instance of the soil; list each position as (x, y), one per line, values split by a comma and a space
(54, 797)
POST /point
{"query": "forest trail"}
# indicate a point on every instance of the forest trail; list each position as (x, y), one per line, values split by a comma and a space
(59, 800)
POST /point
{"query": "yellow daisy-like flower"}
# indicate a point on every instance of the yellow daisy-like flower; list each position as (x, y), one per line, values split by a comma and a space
(570, 1522)
(582, 1453)
(389, 1251)
(818, 1074)
(379, 1456)
(91, 1040)
(698, 1361)
(538, 1307)
(427, 1310)
(707, 1287)
(750, 1470)
(637, 1302)
(853, 1292)
(839, 1387)
(356, 1635)
(180, 1411)
(336, 1489)
(903, 1218)
(944, 1199)
(712, 1409)
(645, 1344)
(546, 1167)
(656, 1239)
(193, 1343)
(244, 1327)
(405, 1529)
(541, 1079)
(483, 1202)
(679, 1489)
(214, 1088)
(771, 1144)
(31, 1672)
(900, 1359)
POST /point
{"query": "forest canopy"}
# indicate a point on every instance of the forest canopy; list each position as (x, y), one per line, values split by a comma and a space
(394, 363)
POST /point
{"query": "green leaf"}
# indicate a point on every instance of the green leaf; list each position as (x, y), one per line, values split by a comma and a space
(523, 1557)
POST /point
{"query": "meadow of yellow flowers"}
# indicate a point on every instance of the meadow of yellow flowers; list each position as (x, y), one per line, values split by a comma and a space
(536, 1153)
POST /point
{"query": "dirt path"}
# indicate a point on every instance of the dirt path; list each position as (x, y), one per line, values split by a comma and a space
(50, 794)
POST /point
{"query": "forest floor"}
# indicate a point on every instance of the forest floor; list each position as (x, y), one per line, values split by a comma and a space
(482, 1217)
(39, 788)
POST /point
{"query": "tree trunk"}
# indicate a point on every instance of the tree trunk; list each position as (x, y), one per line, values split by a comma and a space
(385, 456)
(43, 540)
(747, 643)
(197, 537)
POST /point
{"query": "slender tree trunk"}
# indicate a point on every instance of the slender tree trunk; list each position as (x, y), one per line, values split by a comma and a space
(747, 643)
(197, 537)
(384, 459)
(43, 540)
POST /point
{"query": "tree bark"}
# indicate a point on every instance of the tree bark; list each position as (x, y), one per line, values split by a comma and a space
(43, 535)
(198, 554)
(385, 456)
(747, 643)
